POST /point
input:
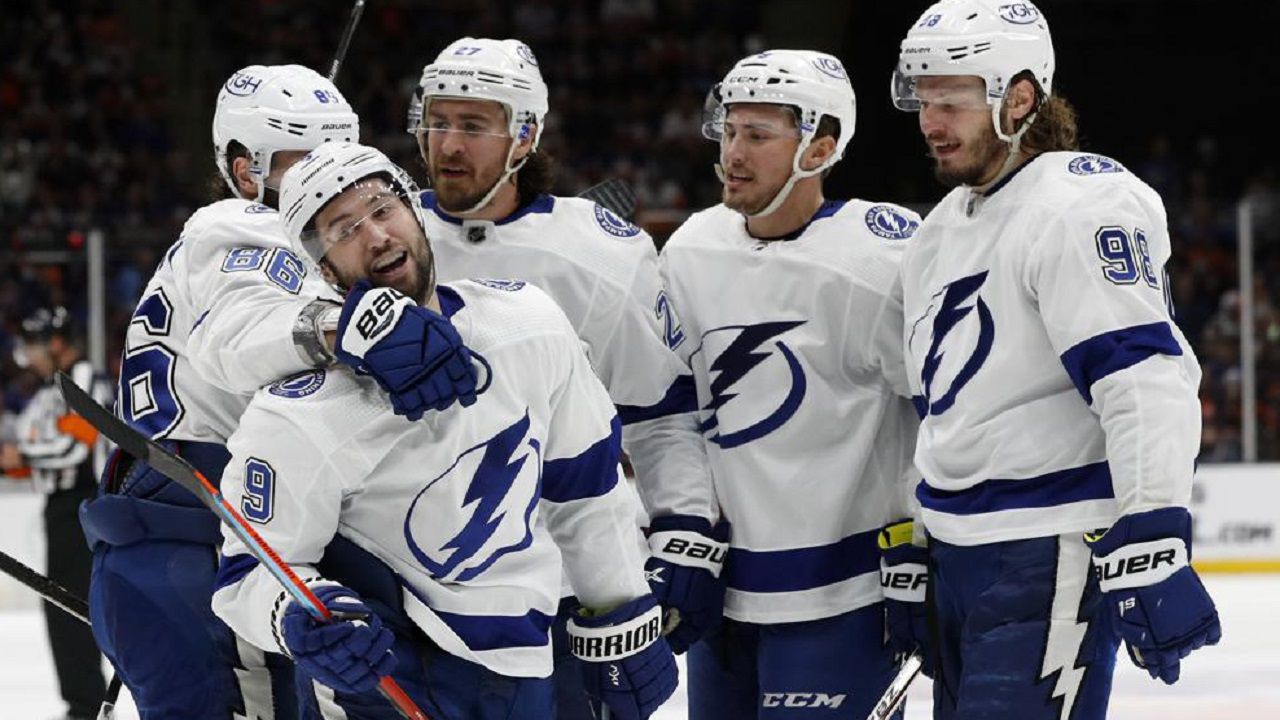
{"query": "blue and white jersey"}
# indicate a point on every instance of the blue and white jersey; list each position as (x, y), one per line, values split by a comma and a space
(215, 323)
(603, 272)
(796, 348)
(476, 509)
(1056, 389)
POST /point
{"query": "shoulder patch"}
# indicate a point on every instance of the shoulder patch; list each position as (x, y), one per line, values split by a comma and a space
(613, 224)
(1093, 165)
(891, 223)
(258, 208)
(508, 285)
(298, 386)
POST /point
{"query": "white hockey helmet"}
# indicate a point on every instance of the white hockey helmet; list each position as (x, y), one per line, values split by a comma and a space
(813, 83)
(269, 108)
(327, 172)
(504, 71)
(995, 40)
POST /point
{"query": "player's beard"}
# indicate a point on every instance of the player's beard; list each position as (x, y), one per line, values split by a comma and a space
(457, 195)
(986, 152)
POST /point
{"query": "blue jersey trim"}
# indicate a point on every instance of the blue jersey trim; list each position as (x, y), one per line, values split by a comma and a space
(496, 632)
(541, 204)
(591, 474)
(232, 570)
(825, 210)
(920, 404)
(802, 568)
(450, 301)
(681, 397)
(1088, 482)
(1099, 356)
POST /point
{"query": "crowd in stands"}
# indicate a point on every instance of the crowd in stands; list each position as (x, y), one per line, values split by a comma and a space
(87, 140)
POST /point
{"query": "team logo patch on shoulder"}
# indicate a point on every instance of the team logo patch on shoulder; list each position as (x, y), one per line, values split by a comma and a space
(258, 208)
(613, 224)
(1094, 165)
(508, 285)
(298, 386)
(890, 223)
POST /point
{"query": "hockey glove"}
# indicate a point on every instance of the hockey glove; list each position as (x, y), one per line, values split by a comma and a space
(415, 354)
(626, 663)
(904, 577)
(684, 575)
(347, 655)
(1157, 603)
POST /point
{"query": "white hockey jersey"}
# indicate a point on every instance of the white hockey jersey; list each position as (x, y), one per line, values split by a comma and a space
(603, 272)
(796, 348)
(1056, 390)
(474, 508)
(215, 323)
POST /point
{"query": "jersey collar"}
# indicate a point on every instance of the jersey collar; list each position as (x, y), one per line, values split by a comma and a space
(541, 203)
(826, 209)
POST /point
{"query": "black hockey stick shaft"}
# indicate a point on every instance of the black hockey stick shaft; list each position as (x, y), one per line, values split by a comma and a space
(65, 601)
(178, 470)
(614, 195)
(897, 690)
(345, 42)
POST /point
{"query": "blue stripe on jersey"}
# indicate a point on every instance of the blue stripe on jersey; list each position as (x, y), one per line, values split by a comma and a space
(450, 301)
(591, 474)
(681, 397)
(921, 405)
(1099, 356)
(232, 570)
(766, 571)
(541, 204)
(1088, 482)
(495, 632)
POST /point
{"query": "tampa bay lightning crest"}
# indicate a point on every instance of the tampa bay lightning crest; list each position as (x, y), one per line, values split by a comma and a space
(614, 225)
(960, 332)
(756, 381)
(298, 386)
(496, 486)
(890, 223)
(1093, 165)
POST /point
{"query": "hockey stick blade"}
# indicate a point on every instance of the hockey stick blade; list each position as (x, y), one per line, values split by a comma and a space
(345, 42)
(614, 195)
(175, 468)
(897, 690)
(65, 600)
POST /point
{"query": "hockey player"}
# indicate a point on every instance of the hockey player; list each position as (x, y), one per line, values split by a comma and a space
(792, 307)
(1057, 394)
(230, 308)
(489, 215)
(466, 507)
(64, 456)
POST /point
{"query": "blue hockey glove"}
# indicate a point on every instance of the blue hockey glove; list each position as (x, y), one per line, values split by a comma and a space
(904, 577)
(1157, 603)
(415, 354)
(626, 663)
(684, 575)
(347, 655)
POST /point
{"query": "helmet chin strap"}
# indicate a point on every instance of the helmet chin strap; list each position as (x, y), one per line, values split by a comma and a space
(507, 173)
(797, 174)
(1014, 141)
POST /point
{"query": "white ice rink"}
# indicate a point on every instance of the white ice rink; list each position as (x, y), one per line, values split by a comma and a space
(1239, 679)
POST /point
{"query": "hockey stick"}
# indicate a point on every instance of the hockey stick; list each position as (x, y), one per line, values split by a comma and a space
(178, 470)
(614, 195)
(897, 690)
(345, 42)
(68, 603)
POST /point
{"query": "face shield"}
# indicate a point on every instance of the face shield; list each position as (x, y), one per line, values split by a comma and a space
(371, 205)
(960, 92)
(717, 126)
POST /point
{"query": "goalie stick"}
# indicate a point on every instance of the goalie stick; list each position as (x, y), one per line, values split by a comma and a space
(897, 690)
(345, 42)
(68, 603)
(178, 470)
(614, 195)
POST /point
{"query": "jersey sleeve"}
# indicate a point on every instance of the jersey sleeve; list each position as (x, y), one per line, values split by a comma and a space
(289, 493)
(656, 398)
(1097, 274)
(584, 499)
(247, 289)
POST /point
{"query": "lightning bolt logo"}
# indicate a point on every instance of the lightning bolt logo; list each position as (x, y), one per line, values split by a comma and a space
(500, 464)
(735, 362)
(1066, 632)
(949, 316)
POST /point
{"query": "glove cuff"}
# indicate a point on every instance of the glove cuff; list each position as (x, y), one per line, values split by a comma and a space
(614, 642)
(904, 582)
(689, 548)
(1140, 564)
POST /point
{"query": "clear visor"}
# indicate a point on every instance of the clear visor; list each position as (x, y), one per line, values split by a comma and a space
(718, 126)
(959, 92)
(368, 205)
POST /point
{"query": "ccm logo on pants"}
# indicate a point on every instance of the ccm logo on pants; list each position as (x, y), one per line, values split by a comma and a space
(803, 700)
